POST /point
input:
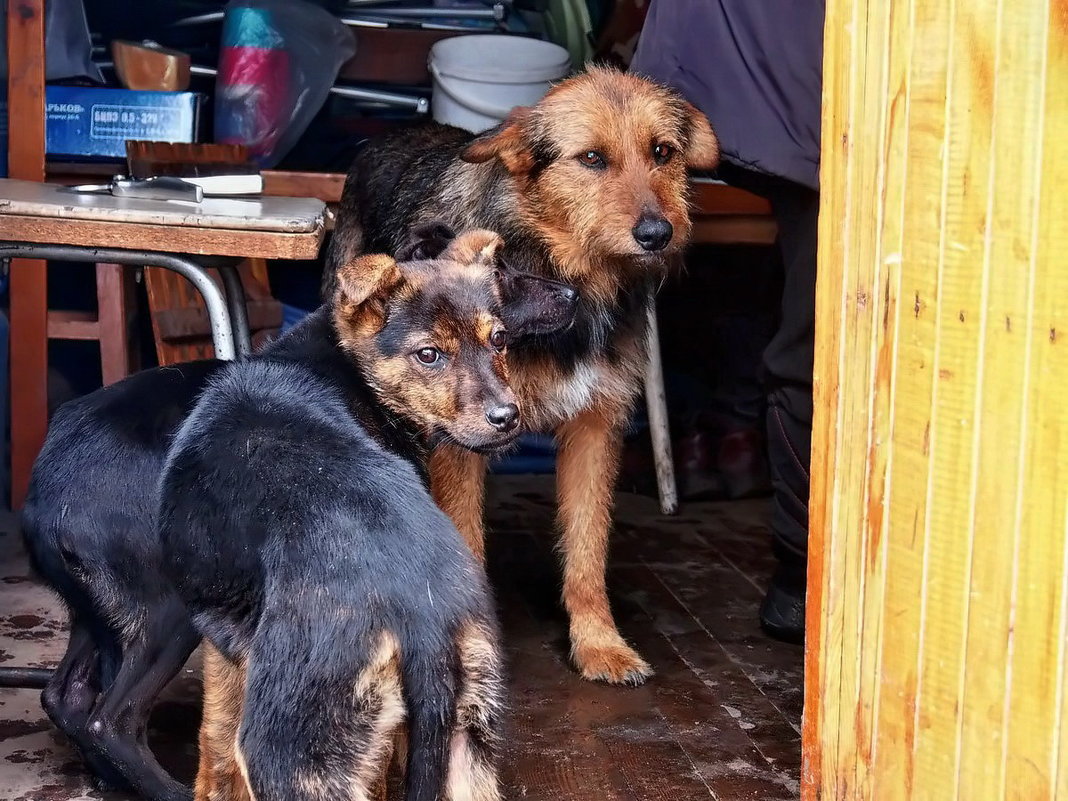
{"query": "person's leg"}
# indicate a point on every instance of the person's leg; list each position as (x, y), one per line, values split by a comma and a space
(788, 378)
(788, 373)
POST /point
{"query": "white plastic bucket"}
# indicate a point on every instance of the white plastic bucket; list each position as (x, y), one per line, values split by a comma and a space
(479, 79)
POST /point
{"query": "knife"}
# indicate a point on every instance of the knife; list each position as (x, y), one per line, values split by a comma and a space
(166, 187)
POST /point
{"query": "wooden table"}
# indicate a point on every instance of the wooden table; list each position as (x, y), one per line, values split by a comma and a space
(46, 221)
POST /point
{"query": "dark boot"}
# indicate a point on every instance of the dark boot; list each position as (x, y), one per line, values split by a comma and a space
(782, 613)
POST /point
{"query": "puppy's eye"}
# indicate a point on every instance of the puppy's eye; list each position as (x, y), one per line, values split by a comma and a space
(428, 356)
(593, 160)
(662, 153)
(499, 339)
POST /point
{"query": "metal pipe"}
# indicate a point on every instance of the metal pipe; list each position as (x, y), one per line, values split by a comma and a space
(382, 20)
(25, 678)
(235, 301)
(497, 12)
(420, 105)
(222, 335)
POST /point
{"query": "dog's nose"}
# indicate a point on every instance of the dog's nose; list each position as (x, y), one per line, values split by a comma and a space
(652, 233)
(504, 417)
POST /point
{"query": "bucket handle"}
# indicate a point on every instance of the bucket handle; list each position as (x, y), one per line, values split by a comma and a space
(473, 103)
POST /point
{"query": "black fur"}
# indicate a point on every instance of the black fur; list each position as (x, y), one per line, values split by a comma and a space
(396, 184)
(296, 540)
(89, 526)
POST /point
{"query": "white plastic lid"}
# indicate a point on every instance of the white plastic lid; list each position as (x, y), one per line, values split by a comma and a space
(500, 59)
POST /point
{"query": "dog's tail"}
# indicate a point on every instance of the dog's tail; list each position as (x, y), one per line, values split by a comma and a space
(429, 676)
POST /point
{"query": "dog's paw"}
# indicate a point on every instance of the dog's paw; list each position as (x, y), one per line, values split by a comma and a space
(612, 664)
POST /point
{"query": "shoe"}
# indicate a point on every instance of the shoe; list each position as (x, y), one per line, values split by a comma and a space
(695, 474)
(743, 463)
(782, 614)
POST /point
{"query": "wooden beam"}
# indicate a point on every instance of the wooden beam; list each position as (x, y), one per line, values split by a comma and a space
(29, 280)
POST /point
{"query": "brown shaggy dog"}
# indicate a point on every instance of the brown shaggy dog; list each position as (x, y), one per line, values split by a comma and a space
(589, 187)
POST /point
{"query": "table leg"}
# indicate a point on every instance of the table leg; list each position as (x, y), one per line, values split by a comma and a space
(235, 301)
(222, 335)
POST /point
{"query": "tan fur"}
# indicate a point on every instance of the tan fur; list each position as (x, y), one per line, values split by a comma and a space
(450, 399)
(242, 764)
(585, 215)
(586, 218)
(474, 247)
(379, 687)
(472, 774)
(219, 776)
(470, 778)
(457, 483)
(587, 466)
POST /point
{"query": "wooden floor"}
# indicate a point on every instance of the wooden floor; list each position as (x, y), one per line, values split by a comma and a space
(719, 720)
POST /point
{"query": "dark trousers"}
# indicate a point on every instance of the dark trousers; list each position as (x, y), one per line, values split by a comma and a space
(788, 357)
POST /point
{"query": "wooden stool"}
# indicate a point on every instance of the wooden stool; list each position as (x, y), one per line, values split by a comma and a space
(111, 325)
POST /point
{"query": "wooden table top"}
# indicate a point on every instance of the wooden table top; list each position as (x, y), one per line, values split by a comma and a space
(262, 227)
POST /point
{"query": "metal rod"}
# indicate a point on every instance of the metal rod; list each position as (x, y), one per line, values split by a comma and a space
(383, 20)
(497, 12)
(200, 19)
(420, 105)
(222, 335)
(235, 301)
(25, 678)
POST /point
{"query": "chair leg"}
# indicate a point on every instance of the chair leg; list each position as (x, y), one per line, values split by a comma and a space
(656, 403)
(28, 364)
(113, 315)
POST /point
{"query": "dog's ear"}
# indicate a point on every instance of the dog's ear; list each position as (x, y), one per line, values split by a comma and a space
(702, 149)
(507, 142)
(425, 242)
(474, 247)
(367, 277)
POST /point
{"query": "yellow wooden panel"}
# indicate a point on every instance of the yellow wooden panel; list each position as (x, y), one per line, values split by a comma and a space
(1037, 691)
(938, 565)
(1013, 178)
(953, 425)
(824, 634)
(924, 102)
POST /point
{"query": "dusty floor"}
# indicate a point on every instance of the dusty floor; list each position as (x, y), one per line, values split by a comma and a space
(720, 719)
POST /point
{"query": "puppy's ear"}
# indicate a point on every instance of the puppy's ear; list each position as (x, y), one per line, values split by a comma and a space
(425, 242)
(507, 142)
(474, 247)
(702, 150)
(367, 277)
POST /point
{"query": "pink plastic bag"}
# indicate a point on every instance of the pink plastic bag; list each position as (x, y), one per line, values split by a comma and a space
(277, 63)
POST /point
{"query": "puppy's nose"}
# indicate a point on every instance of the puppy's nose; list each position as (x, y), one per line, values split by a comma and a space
(504, 417)
(652, 233)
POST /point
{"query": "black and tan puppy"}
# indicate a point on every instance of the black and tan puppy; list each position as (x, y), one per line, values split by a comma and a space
(297, 527)
(589, 187)
(90, 526)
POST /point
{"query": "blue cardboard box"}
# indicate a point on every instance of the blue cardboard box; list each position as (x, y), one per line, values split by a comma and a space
(90, 121)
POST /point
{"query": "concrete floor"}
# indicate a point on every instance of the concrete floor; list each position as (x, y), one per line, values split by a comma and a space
(720, 720)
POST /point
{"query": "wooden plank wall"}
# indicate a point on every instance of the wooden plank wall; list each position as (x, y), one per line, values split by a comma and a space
(939, 569)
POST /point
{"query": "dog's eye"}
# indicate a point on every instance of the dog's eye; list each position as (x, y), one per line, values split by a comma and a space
(499, 339)
(592, 159)
(662, 153)
(428, 356)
